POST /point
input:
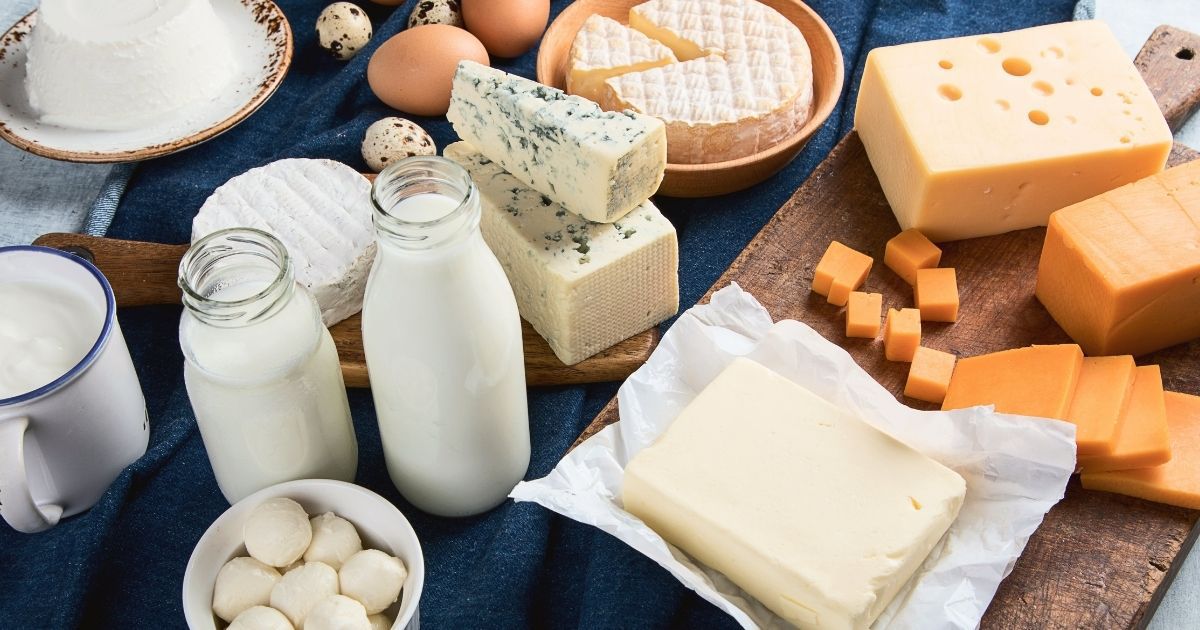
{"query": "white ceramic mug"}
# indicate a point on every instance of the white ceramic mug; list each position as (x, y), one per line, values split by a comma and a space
(62, 444)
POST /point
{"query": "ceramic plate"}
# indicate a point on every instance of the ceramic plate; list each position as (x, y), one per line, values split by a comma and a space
(263, 56)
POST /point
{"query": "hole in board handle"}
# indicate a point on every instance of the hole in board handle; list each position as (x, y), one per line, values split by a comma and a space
(1186, 54)
(80, 251)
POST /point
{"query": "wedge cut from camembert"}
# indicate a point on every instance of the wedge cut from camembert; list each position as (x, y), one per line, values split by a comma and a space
(605, 48)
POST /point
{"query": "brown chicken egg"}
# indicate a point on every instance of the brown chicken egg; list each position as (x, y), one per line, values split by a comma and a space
(414, 70)
(507, 28)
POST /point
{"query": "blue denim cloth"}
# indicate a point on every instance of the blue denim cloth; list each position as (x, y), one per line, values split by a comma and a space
(120, 565)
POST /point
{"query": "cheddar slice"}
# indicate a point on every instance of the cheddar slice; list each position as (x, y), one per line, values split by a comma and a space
(862, 314)
(909, 251)
(1118, 272)
(929, 375)
(1142, 437)
(1099, 400)
(1034, 381)
(1176, 482)
(901, 334)
(840, 271)
(936, 294)
(986, 134)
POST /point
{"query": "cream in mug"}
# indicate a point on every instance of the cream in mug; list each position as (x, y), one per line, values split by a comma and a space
(45, 330)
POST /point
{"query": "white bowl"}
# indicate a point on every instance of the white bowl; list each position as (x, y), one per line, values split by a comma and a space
(379, 523)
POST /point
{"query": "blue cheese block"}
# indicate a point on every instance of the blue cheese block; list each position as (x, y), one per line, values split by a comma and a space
(600, 165)
(583, 285)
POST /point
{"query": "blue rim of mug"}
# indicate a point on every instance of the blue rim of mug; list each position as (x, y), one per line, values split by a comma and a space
(109, 314)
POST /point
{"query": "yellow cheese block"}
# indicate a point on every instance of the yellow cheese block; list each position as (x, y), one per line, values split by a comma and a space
(1100, 399)
(1119, 271)
(986, 134)
(1142, 438)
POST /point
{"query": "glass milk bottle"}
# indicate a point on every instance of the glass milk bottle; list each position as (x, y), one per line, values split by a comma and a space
(443, 344)
(261, 370)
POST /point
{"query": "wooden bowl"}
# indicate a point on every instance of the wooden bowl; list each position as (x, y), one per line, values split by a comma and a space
(714, 178)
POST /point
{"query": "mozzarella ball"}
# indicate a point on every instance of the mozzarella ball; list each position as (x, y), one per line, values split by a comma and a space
(380, 622)
(337, 612)
(297, 592)
(392, 139)
(292, 567)
(333, 540)
(242, 583)
(373, 578)
(261, 618)
(343, 29)
(277, 532)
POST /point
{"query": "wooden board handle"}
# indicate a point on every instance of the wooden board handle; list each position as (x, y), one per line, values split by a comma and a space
(144, 273)
(1170, 64)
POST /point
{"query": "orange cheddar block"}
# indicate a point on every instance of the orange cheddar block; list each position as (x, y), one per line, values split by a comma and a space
(1118, 271)
(862, 314)
(936, 294)
(1176, 482)
(909, 251)
(840, 271)
(1142, 435)
(1034, 381)
(1100, 399)
(929, 375)
(901, 334)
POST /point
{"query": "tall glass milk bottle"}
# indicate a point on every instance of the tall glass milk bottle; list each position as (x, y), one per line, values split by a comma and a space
(261, 369)
(443, 344)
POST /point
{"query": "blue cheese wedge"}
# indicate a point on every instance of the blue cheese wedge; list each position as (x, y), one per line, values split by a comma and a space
(597, 164)
(583, 285)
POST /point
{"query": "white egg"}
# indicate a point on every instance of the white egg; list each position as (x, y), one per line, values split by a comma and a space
(277, 532)
(298, 591)
(241, 584)
(380, 622)
(436, 12)
(333, 540)
(261, 618)
(373, 578)
(337, 612)
(391, 139)
(343, 29)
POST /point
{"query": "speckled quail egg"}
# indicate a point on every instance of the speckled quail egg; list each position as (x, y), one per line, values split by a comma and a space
(391, 139)
(436, 12)
(343, 29)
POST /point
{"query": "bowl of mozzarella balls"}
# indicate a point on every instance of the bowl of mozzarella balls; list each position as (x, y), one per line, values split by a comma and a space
(313, 554)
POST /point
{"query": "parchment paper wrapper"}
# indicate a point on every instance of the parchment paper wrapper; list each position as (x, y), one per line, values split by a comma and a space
(1016, 467)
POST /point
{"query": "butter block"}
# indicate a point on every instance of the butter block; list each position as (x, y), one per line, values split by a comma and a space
(810, 510)
(986, 134)
(1118, 272)
(584, 286)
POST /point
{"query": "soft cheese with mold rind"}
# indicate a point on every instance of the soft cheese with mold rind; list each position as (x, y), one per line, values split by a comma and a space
(745, 82)
(599, 165)
(320, 210)
(605, 48)
(584, 286)
(816, 514)
(987, 134)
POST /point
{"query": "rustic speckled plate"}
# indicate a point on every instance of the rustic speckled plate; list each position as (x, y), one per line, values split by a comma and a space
(263, 45)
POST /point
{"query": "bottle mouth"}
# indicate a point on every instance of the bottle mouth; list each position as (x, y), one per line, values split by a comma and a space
(232, 257)
(423, 175)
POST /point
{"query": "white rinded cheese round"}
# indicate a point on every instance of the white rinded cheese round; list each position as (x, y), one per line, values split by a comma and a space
(320, 210)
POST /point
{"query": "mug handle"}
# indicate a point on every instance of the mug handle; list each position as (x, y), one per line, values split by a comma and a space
(16, 501)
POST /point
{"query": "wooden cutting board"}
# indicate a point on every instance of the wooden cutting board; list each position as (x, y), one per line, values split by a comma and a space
(1099, 560)
(145, 273)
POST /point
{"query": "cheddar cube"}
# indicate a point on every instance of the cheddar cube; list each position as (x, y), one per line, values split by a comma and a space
(936, 294)
(986, 134)
(929, 375)
(1034, 381)
(1099, 400)
(862, 314)
(1142, 438)
(901, 334)
(840, 271)
(909, 251)
(1176, 482)
(1118, 272)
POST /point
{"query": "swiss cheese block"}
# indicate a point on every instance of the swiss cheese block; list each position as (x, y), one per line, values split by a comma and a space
(929, 375)
(1034, 381)
(985, 134)
(1100, 398)
(936, 294)
(1176, 482)
(909, 251)
(901, 334)
(813, 512)
(605, 48)
(745, 81)
(584, 286)
(599, 165)
(1118, 272)
(862, 314)
(1142, 437)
